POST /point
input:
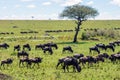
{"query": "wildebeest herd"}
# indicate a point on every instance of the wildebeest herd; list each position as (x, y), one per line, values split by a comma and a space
(77, 60)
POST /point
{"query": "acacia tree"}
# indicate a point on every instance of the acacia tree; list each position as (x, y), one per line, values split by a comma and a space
(80, 13)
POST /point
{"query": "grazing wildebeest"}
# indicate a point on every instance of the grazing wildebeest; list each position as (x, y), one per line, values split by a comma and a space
(83, 60)
(49, 49)
(27, 46)
(91, 60)
(78, 56)
(114, 57)
(67, 48)
(17, 47)
(61, 60)
(102, 46)
(117, 42)
(4, 45)
(36, 60)
(29, 62)
(51, 45)
(95, 48)
(98, 59)
(24, 60)
(88, 59)
(22, 53)
(104, 55)
(7, 61)
(71, 61)
(112, 43)
(110, 47)
(39, 46)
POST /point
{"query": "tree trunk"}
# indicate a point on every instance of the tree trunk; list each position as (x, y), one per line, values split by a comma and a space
(77, 29)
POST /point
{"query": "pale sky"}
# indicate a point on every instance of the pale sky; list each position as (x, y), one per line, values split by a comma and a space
(50, 9)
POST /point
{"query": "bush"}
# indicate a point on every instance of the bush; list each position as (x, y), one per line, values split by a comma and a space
(85, 36)
(107, 33)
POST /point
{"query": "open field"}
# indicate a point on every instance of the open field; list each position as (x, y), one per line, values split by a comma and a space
(47, 69)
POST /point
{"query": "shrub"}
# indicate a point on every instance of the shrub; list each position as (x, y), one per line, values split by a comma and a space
(107, 33)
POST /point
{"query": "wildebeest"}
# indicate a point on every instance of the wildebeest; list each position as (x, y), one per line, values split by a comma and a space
(117, 42)
(36, 60)
(78, 56)
(61, 60)
(4, 45)
(29, 62)
(110, 47)
(7, 61)
(22, 53)
(17, 47)
(95, 48)
(71, 61)
(39, 46)
(88, 59)
(48, 49)
(113, 44)
(24, 60)
(27, 46)
(102, 46)
(114, 57)
(67, 48)
(104, 55)
(51, 45)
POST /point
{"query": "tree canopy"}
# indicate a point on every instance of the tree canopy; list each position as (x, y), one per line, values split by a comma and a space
(79, 12)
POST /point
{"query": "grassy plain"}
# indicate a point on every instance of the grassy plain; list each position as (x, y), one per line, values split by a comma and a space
(47, 70)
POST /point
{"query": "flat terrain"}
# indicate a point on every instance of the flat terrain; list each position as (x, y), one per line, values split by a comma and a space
(34, 32)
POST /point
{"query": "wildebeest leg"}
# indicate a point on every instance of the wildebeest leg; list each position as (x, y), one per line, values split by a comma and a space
(44, 51)
(63, 51)
(3, 65)
(64, 67)
(74, 69)
(67, 68)
(83, 64)
(58, 64)
(19, 63)
(90, 51)
(38, 65)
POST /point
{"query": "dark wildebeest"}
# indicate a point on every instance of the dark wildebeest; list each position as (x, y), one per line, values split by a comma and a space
(61, 60)
(114, 57)
(112, 43)
(104, 55)
(83, 60)
(78, 56)
(27, 46)
(51, 45)
(117, 42)
(49, 49)
(17, 47)
(98, 59)
(67, 48)
(39, 46)
(102, 46)
(36, 60)
(95, 48)
(24, 60)
(71, 61)
(88, 59)
(4, 45)
(22, 53)
(91, 60)
(7, 61)
(110, 47)
(29, 62)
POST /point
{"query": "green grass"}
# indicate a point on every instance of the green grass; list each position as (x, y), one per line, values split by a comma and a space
(47, 70)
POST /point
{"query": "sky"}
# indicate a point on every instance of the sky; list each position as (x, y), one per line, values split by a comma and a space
(50, 9)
